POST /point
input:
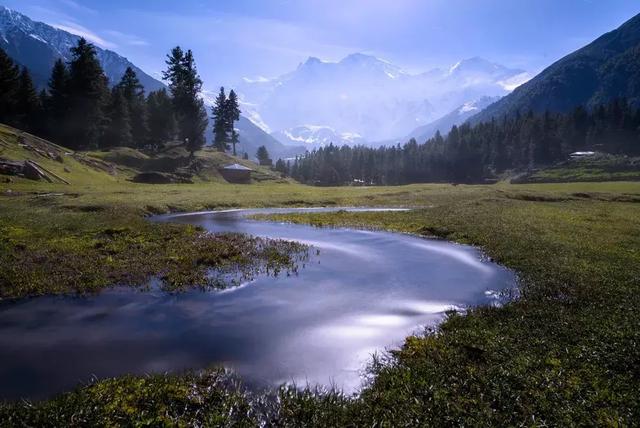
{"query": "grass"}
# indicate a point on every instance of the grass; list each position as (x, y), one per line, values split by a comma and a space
(565, 353)
(211, 398)
(600, 167)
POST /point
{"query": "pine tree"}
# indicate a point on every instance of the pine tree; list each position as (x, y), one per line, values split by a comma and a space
(88, 95)
(9, 78)
(162, 123)
(185, 85)
(262, 154)
(57, 106)
(232, 113)
(133, 93)
(27, 105)
(220, 124)
(118, 132)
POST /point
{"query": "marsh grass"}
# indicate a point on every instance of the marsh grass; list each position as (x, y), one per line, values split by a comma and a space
(58, 250)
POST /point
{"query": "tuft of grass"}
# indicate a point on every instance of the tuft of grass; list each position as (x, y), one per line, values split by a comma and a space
(210, 398)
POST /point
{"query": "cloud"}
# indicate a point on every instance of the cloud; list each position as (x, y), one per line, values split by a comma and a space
(81, 31)
(72, 4)
(127, 39)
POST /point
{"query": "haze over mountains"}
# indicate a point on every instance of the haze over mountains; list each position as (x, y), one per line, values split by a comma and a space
(366, 98)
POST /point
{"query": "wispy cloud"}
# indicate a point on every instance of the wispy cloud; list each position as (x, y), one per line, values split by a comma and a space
(77, 7)
(127, 39)
(79, 30)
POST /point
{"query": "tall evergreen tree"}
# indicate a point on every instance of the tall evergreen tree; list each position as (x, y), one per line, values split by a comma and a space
(27, 107)
(9, 82)
(118, 131)
(232, 113)
(133, 93)
(220, 122)
(162, 123)
(262, 154)
(57, 105)
(88, 94)
(185, 85)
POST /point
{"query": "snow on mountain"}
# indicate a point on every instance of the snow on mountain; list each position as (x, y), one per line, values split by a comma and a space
(37, 46)
(456, 117)
(313, 136)
(368, 96)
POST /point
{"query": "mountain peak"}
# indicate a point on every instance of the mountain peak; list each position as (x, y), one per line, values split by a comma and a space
(359, 57)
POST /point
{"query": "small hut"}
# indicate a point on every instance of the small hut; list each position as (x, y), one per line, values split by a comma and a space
(236, 173)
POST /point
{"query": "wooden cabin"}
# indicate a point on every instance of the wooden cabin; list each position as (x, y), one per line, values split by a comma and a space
(236, 173)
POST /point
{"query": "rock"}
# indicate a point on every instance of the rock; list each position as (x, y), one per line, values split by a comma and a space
(8, 167)
(66, 169)
(31, 172)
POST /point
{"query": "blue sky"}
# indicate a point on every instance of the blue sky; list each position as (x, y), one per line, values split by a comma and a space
(250, 38)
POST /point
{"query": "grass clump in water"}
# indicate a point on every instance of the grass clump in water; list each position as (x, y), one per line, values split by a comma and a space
(60, 251)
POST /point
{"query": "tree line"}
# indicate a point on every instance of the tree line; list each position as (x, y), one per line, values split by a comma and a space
(471, 154)
(78, 109)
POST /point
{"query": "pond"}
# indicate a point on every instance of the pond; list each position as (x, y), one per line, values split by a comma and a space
(361, 292)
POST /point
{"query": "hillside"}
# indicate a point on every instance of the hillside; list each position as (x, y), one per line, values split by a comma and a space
(607, 68)
(117, 165)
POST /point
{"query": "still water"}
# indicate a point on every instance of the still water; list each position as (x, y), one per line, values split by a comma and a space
(361, 292)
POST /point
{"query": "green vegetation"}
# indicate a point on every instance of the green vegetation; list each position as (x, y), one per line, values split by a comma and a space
(212, 398)
(565, 353)
(600, 167)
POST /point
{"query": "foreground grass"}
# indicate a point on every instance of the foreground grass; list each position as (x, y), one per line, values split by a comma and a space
(566, 353)
(211, 398)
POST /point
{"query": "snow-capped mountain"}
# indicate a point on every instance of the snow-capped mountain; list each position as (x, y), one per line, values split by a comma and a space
(312, 136)
(365, 95)
(446, 122)
(37, 46)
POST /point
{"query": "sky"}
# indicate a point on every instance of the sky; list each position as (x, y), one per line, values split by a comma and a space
(232, 39)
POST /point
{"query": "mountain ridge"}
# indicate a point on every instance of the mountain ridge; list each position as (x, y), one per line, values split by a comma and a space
(606, 68)
(339, 95)
(37, 45)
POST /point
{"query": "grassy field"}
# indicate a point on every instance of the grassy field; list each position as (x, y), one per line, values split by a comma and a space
(600, 167)
(564, 354)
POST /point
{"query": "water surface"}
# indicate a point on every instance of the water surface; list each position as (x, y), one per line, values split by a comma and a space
(364, 292)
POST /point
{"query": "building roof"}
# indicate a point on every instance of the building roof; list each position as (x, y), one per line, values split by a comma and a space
(237, 167)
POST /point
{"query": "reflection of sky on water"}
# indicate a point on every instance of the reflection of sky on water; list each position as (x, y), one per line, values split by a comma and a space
(364, 292)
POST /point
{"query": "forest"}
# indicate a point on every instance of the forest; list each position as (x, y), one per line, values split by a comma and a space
(472, 154)
(78, 109)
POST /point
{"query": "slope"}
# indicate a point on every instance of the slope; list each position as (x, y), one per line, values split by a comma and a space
(607, 68)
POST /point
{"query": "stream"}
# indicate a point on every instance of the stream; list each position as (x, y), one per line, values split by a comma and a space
(361, 292)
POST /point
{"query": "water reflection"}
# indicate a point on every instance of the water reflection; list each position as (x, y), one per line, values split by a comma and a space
(364, 292)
